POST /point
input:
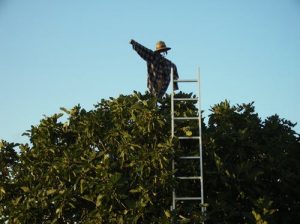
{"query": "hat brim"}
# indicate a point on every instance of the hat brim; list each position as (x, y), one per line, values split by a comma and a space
(163, 49)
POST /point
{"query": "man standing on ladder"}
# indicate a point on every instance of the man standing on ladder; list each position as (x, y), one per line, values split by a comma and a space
(159, 68)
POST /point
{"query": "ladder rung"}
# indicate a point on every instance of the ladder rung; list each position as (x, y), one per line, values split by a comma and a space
(190, 178)
(187, 198)
(187, 99)
(189, 137)
(186, 118)
(189, 157)
(186, 80)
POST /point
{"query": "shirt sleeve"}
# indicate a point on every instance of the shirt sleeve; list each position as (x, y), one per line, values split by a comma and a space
(145, 53)
(176, 77)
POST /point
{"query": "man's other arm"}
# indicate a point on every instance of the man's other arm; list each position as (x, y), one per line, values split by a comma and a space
(145, 53)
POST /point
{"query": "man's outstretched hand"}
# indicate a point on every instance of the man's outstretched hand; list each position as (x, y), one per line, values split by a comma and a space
(131, 41)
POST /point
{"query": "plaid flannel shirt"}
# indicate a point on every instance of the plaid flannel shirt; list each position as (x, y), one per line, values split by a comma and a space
(159, 69)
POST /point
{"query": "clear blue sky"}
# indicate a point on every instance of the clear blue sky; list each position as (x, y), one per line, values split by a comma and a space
(59, 53)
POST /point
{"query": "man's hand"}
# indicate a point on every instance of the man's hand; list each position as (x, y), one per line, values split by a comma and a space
(131, 41)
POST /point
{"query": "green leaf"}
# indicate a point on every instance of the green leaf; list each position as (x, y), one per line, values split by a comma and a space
(136, 190)
(25, 189)
(188, 133)
(99, 200)
(2, 190)
(167, 213)
(115, 178)
(51, 191)
(81, 185)
(17, 200)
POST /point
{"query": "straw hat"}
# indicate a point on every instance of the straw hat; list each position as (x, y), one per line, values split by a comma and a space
(161, 47)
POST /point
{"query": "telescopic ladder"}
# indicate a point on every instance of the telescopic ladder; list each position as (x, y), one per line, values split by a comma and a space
(196, 139)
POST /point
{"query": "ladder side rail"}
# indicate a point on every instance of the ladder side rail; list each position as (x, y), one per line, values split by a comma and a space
(172, 103)
(172, 134)
(200, 140)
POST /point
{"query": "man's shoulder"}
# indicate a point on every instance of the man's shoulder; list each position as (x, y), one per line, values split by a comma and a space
(161, 58)
(170, 62)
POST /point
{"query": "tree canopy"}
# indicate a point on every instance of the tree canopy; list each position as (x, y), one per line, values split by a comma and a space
(112, 164)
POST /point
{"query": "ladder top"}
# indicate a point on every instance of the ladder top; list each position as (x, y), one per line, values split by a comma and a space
(186, 80)
(187, 99)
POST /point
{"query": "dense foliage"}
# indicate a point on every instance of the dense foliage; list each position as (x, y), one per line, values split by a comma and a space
(252, 167)
(112, 164)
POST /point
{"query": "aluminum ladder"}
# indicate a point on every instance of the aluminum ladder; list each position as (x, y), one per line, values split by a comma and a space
(188, 158)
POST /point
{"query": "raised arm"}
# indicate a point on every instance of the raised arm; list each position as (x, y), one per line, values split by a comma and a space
(145, 53)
